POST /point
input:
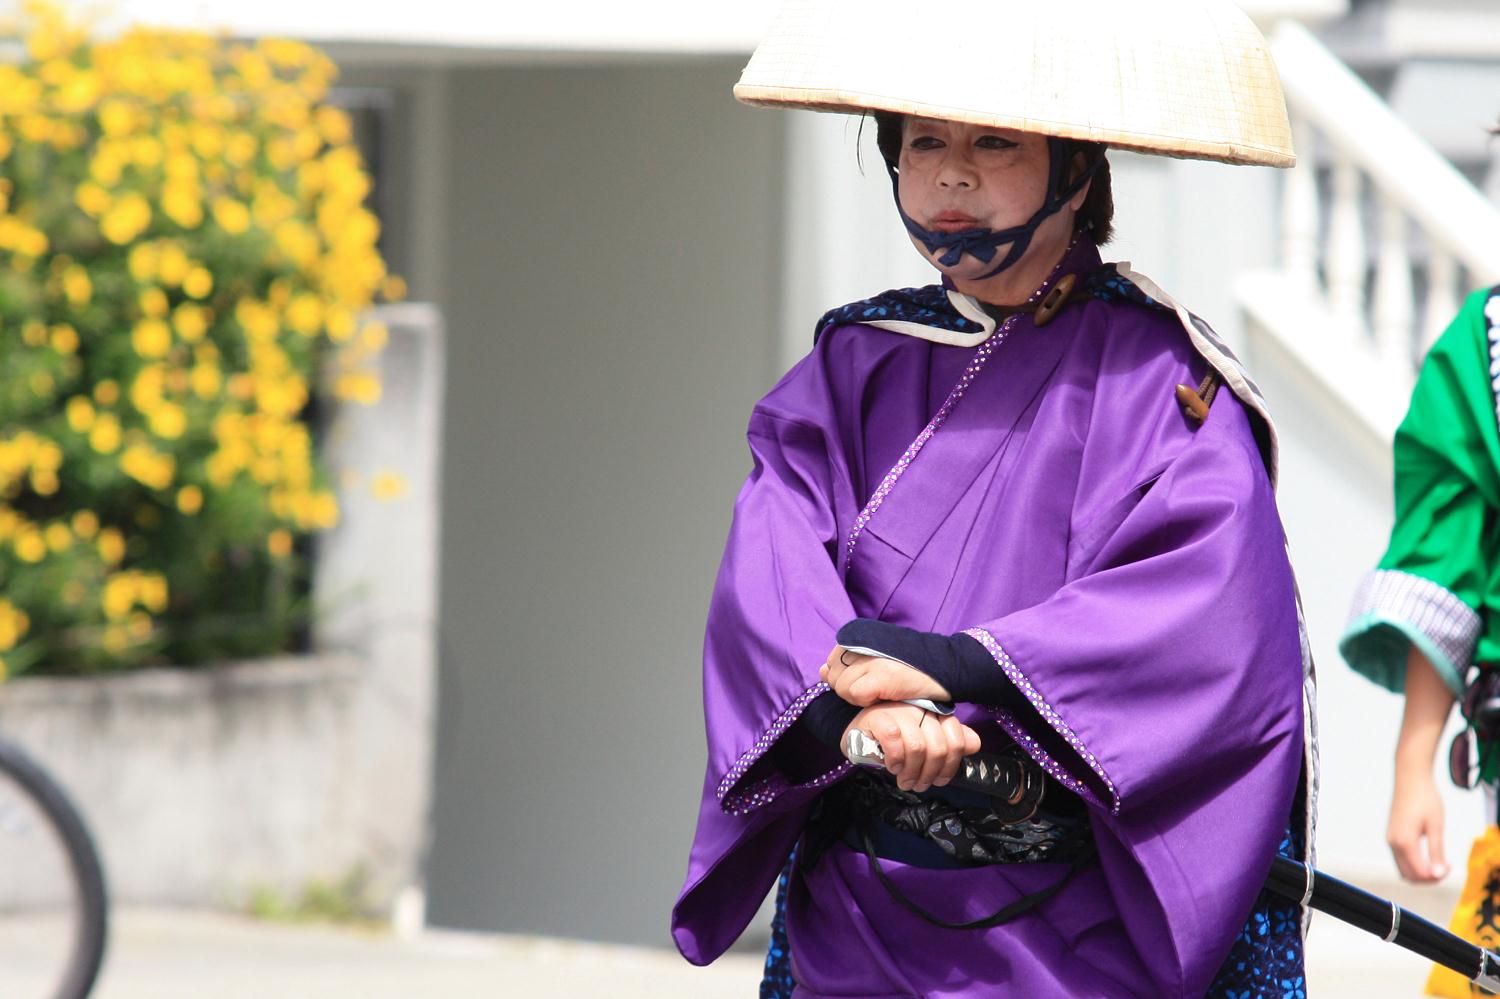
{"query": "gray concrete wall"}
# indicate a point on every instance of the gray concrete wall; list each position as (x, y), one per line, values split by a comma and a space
(203, 786)
(376, 589)
(612, 307)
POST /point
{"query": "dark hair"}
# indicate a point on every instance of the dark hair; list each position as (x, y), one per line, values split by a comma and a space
(1097, 215)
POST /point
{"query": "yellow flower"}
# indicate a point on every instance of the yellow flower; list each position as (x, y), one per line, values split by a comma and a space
(375, 336)
(388, 485)
(394, 289)
(147, 466)
(279, 543)
(116, 117)
(198, 283)
(80, 413)
(151, 338)
(30, 546)
(126, 219)
(142, 261)
(107, 392)
(152, 588)
(77, 286)
(190, 321)
(182, 203)
(45, 483)
(334, 124)
(153, 302)
(172, 263)
(111, 546)
(146, 391)
(118, 595)
(357, 386)
(256, 318)
(13, 625)
(93, 199)
(233, 217)
(85, 524)
(168, 421)
(32, 242)
(33, 333)
(64, 339)
(305, 314)
(297, 241)
(106, 167)
(59, 538)
(240, 148)
(146, 151)
(190, 500)
(105, 435)
(206, 381)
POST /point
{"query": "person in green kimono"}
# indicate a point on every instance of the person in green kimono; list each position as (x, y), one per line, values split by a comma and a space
(1425, 621)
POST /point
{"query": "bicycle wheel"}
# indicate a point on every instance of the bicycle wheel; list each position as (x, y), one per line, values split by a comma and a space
(53, 906)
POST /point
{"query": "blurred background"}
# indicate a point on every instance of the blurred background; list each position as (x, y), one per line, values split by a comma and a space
(374, 557)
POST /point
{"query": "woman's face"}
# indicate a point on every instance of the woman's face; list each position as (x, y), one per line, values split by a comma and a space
(956, 176)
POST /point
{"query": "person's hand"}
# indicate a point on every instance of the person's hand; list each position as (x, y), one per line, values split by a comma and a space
(1415, 831)
(921, 749)
(866, 680)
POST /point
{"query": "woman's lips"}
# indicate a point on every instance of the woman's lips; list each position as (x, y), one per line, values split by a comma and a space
(953, 222)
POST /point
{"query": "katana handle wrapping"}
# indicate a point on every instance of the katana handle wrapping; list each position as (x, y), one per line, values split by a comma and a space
(1014, 788)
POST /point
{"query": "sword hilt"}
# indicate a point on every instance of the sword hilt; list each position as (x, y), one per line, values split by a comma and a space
(1013, 783)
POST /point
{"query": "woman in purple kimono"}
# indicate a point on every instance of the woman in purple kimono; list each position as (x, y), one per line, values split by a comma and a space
(1013, 512)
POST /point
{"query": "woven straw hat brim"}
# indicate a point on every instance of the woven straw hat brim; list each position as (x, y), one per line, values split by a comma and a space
(1184, 78)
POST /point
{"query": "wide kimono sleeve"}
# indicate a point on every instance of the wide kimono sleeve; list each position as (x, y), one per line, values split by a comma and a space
(776, 605)
(1164, 684)
(1431, 587)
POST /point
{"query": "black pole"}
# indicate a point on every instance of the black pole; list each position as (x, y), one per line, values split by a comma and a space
(1289, 879)
(1385, 919)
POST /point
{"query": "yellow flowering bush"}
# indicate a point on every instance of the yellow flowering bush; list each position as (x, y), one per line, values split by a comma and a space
(184, 249)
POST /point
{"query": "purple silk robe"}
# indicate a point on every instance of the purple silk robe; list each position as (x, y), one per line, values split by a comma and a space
(1125, 566)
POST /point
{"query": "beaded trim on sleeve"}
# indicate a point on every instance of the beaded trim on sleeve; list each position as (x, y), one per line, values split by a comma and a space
(1492, 318)
(1013, 728)
(742, 800)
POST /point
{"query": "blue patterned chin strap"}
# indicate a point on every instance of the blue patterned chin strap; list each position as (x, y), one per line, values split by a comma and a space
(982, 244)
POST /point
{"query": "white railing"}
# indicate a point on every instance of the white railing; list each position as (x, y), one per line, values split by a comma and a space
(1378, 251)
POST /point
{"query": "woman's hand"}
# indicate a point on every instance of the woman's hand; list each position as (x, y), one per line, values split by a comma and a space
(1415, 830)
(866, 680)
(922, 749)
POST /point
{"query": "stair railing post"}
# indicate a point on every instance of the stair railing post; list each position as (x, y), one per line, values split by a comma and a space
(1393, 307)
(1442, 295)
(1299, 212)
(1347, 255)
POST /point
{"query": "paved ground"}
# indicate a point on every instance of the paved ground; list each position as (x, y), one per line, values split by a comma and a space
(162, 954)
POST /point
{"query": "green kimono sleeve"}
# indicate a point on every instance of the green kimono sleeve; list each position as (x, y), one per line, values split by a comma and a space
(1436, 587)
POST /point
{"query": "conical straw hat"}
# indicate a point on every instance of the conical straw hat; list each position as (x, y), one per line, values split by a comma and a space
(1189, 78)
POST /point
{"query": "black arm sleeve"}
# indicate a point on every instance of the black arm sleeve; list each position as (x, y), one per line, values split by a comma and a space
(826, 718)
(958, 662)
